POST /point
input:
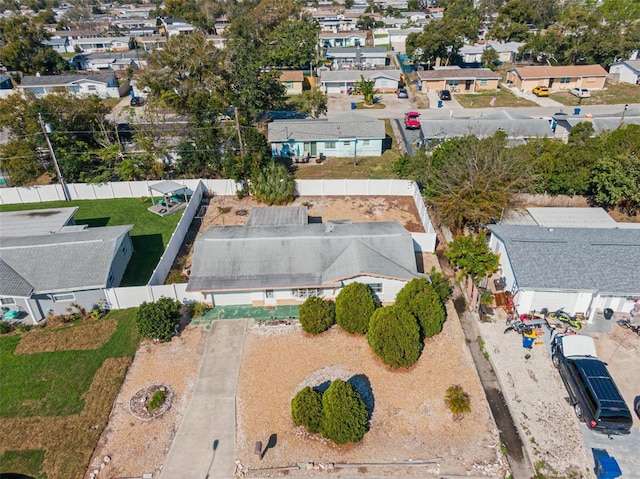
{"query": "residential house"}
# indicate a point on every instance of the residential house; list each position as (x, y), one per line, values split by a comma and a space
(347, 136)
(565, 122)
(343, 81)
(466, 80)
(151, 43)
(6, 86)
(627, 71)
(103, 85)
(558, 78)
(47, 262)
(580, 269)
(60, 45)
(218, 41)
(292, 81)
(283, 260)
(108, 62)
(176, 26)
(507, 52)
(101, 44)
(398, 37)
(367, 57)
(342, 39)
(518, 128)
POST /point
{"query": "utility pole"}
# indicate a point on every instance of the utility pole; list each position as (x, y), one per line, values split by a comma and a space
(53, 157)
(235, 110)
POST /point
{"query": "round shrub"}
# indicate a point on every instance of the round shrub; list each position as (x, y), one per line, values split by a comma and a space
(354, 306)
(441, 284)
(317, 315)
(344, 414)
(306, 409)
(156, 320)
(394, 336)
(420, 298)
(5, 327)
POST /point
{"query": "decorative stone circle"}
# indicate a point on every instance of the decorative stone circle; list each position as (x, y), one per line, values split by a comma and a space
(139, 402)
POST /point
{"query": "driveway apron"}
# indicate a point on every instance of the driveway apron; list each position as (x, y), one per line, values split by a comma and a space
(205, 445)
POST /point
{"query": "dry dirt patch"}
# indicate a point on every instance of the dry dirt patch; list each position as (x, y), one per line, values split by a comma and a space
(410, 420)
(90, 335)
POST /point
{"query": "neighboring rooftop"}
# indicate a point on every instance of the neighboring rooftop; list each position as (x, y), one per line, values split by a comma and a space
(347, 126)
(35, 222)
(278, 216)
(584, 259)
(565, 217)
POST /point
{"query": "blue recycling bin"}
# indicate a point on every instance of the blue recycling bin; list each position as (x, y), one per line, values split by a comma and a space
(353, 105)
(576, 111)
(606, 466)
(527, 341)
(439, 103)
(420, 87)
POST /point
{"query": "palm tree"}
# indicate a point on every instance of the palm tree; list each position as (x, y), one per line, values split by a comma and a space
(366, 89)
(274, 184)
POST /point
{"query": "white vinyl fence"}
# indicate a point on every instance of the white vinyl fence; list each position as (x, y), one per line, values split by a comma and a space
(131, 296)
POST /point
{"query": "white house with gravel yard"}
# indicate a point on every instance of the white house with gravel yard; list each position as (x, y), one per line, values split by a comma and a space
(280, 258)
(583, 270)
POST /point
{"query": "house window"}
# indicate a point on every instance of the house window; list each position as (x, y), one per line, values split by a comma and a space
(7, 301)
(346, 143)
(484, 82)
(268, 293)
(565, 80)
(304, 293)
(110, 278)
(288, 85)
(91, 88)
(366, 142)
(63, 297)
(124, 248)
(376, 287)
(330, 145)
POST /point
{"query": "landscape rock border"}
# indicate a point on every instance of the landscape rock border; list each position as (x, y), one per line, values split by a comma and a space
(139, 402)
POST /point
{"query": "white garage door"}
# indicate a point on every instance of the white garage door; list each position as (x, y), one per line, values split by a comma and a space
(554, 301)
(334, 87)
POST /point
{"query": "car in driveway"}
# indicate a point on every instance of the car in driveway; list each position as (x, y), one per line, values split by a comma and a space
(411, 120)
(541, 91)
(402, 93)
(592, 391)
(445, 95)
(580, 92)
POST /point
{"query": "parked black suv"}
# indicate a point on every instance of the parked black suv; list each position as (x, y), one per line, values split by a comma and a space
(593, 393)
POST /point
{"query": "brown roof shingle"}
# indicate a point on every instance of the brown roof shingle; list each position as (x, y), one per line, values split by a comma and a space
(561, 71)
(292, 75)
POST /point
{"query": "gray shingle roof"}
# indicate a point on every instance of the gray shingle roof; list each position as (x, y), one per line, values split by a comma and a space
(12, 284)
(354, 75)
(62, 261)
(35, 222)
(348, 126)
(515, 126)
(584, 259)
(66, 79)
(278, 216)
(458, 73)
(242, 258)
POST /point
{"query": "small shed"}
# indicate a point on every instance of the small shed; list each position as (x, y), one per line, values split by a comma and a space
(174, 197)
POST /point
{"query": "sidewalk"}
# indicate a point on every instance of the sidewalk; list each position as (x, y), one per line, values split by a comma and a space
(205, 444)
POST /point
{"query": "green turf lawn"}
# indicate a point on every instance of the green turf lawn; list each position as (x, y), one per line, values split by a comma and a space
(150, 233)
(53, 384)
(28, 462)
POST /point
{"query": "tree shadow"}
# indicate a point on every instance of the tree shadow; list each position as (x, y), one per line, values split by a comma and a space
(362, 384)
(273, 441)
(94, 222)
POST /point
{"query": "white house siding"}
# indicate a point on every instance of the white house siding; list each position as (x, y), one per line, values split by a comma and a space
(497, 247)
(351, 148)
(627, 75)
(622, 304)
(229, 298)
(390, 287)
(43, 303)
(552, 300)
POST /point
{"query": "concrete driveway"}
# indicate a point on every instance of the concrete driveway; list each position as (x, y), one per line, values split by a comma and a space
(205, 445)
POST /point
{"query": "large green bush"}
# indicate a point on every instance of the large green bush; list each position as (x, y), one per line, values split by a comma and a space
(441, 284)
(394, 336)
(421, 299)
(157, 320)
(344, 414)
(354, 306)
(306, 409)
(317, 315)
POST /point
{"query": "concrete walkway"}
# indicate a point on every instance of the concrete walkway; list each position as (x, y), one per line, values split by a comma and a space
(205, 445)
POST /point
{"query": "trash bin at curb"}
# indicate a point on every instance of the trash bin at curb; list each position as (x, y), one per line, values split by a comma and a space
(606, 466)
(576, 111)
(353, 105)
(608, 313)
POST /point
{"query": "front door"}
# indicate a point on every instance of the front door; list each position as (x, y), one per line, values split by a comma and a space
(550, 83)
(467, 85)
(311, 147)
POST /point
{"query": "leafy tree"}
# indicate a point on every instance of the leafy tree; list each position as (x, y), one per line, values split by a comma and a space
(420, 298)
(614, 182)
(440, 284)
(344, 414)
(442, 39)
(471, 255)
(394, 336)
(306, 409)
(312, 102)
(274, 184)
(292, 44)
(157, 320)
(367, 22)
(21, 47)
(458, 402)
(366, 89)
(490, 57)
(317, 315)
(354, 306)
(513, 17)
(471, 181)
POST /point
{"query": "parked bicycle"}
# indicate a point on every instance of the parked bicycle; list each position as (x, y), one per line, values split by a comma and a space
(561, 315)
(625, 323)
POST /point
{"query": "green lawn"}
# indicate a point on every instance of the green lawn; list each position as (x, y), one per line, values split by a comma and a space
(150, 233)
(504, 99)
(53, 384)
(48, 395)
(612, 95)
(366, 167)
